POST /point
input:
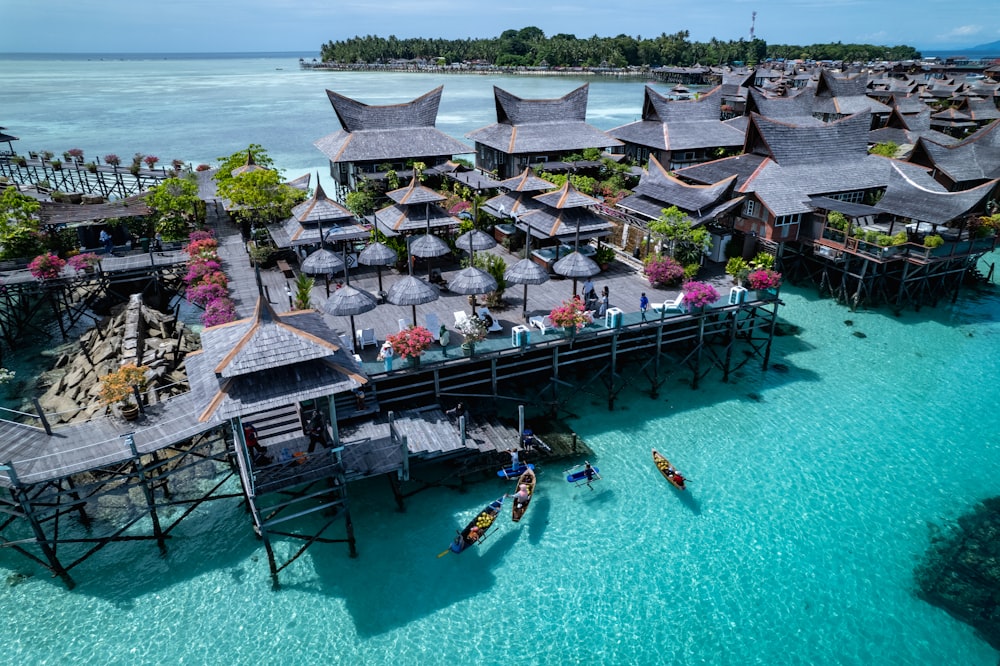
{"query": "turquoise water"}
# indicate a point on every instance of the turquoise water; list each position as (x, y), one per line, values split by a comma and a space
(814, 489)
(813, 495)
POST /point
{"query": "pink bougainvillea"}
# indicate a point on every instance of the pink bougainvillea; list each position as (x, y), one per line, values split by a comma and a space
(699, 294)
(663, 271)
(46, 266)
(199, 268)
(410, 342)
(571, 314)
(205, 292)
(83, 261)
(764, 278)
(219, 311)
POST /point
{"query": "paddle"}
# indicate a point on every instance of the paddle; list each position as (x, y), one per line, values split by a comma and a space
(444, 552)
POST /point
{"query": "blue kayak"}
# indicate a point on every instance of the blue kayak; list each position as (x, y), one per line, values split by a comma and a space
(581, 475)
(514, 472)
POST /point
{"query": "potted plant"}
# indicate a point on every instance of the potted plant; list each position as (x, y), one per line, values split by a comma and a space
(112, 160)
(411, 342)
(570, 315)
(699, 294)
(46, 266)
(56, 164)
(75, 154)
(765, 279)
(84, 262)
(473, 330)
(604, 256)
(738, 268)
(933, 240)
(21, 161)
(116, 389)
(151, 160)
(91, 167)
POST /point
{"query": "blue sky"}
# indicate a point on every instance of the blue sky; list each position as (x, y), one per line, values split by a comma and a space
(135, 26)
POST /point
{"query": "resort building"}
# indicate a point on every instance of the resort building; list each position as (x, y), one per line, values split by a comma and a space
(679, 133)
(396, 135)
(965, 164)
(531, 132)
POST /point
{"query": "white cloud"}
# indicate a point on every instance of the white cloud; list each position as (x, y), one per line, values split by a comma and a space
(962, 31)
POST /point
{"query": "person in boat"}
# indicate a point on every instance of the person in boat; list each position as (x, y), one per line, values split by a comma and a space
(473, 535)
(515, 461)
(588, 471)
(522, 495)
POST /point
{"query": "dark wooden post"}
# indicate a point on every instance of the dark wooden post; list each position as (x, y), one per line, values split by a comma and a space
(41, 417)
(147, 491)
(18, 493)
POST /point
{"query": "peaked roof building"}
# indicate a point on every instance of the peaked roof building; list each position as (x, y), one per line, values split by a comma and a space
(658, 189)
(678, 133)
(965, 164)
(532, 131)
(371, 136)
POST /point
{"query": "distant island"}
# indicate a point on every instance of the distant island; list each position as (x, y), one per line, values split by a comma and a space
(529, 47)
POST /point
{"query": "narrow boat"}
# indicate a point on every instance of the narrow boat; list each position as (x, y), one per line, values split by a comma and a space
(675, 478)
(511, 472)
(585, 473)
(478, 526)
(526, 479)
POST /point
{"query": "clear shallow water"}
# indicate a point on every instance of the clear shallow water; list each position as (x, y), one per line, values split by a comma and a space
(811, 501)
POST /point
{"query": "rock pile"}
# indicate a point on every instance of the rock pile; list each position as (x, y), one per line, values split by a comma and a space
(961, 572)
(139, 335)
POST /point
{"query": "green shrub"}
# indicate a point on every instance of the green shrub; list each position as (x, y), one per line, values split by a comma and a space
(690, 271)
(933, 241)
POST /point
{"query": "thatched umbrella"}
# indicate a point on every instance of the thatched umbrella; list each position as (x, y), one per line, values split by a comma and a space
(347, 302)
(472, 280)
(411, 291)
(526, 272)
(473, 240)
(428, 245)
(576, 265)
(379, 255)
(322, 262)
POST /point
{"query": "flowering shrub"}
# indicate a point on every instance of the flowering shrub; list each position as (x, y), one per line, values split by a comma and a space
(82, 261)
(570, 315)
(6, 375)
(205, 292)
(473, 329)
(410, 342)
(198, 268)
(765, 278)
(75, 153)
(46, 266)
(663, 271)
(112, 159)
(201, 234)
(202, 167)
(699, 294)
(203, 247)
(117, 386)
(220, 311)
(151, 160)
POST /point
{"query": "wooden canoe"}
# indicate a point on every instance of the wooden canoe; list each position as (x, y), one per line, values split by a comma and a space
(675, 478)
(527, 478)
(483, 521)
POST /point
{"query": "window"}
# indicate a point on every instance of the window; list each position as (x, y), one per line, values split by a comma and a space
(750, 209)
(849, 197)
(785, 220)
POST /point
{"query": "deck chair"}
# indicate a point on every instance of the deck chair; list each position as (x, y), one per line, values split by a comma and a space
(460, 317)
(542, 323)
(403, 324)
(366, 336)
(347, 344)
(492, 325)
(677, 304)
(433, 324)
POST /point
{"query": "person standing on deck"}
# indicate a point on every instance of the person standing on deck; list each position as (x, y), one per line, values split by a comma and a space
(386, 354)
(643, 305)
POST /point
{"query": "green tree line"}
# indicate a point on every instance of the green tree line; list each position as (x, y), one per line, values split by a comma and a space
(530, 47)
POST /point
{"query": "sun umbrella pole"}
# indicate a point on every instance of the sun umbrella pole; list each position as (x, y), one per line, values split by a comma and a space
(351, 332)
(414, 309)
(347, 276)
(527, 255)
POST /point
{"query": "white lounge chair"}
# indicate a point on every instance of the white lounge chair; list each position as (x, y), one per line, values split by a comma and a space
(542, 323)
(492, 325)
(433, 324)
(403, 324)
(366, 336)
(347, 343)
(677, 304)
(460, 317)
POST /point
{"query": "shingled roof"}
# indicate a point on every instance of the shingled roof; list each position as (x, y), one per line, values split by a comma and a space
(395, 131)
(971, 160)
(267, 361)
(526, 182)
(905, 198)
(907, 130)
(797, 109)
(541, 125)
(545, 222)
(414, 193)
(786, 143)
(657, 189)
(679, 125)
(566, 196)
(398, 218)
